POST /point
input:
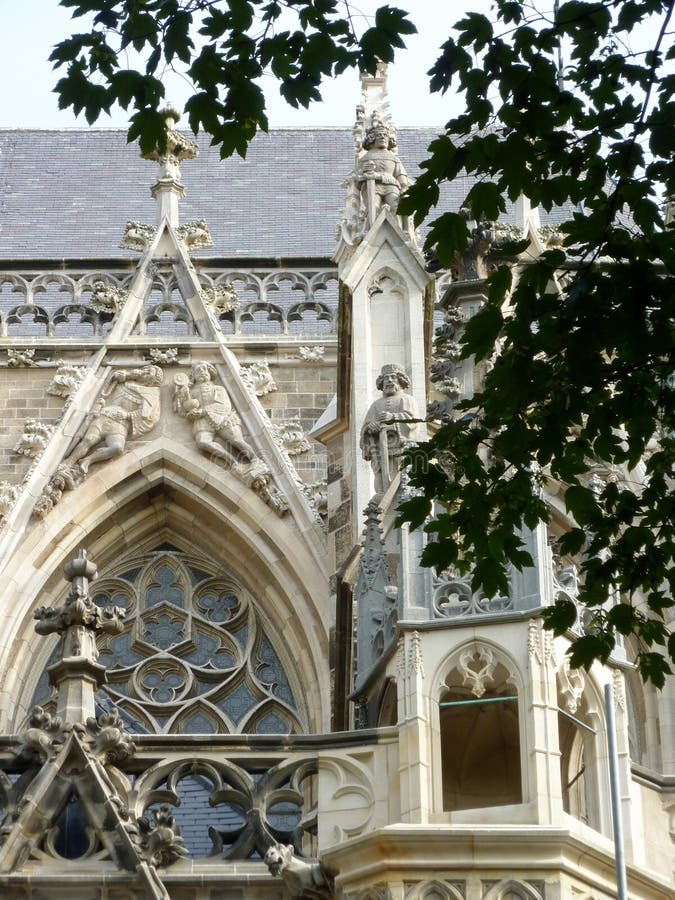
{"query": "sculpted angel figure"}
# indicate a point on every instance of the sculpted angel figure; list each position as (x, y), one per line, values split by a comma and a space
(215, 425)
(128, 408)
(388, 425)
(380, 173)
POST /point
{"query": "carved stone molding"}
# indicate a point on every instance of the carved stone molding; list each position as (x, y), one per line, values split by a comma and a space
(540, 643)
(36, 435)
(304, 298)
(534, 650)
(435, 889)
(161, 839)
(137, 236)
(66, 381)
(9, 494)
(220, 299)
(258, 378)
(257, 825)
(17, 357)
(105, 735)
(453, 596)
(291, 436)
(571, 684)
(195, 235)
(179, 147)
(619, 690)
(376, 599)
(312, 354)
(477, 666)
(168, 357)
(550, 236)
(401, 668)
(106, 298)
(446, 365)
(415, 659)
(76, 753)
(378, 891)
(43, 737)
(317, 496)
(512, 889)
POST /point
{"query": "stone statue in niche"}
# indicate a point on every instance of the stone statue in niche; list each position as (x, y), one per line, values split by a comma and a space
(388, 425)
(215, 425)
(128, 408)
(380, 175)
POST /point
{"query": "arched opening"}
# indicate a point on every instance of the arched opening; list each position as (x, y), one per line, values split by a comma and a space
(574, 767)
(388, 714)
(218, 529)
(480, 735)
(578, 744)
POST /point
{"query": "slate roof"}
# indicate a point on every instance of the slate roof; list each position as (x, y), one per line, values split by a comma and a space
(68, 194)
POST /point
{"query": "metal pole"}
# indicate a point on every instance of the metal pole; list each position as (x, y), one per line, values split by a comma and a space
(619, 860)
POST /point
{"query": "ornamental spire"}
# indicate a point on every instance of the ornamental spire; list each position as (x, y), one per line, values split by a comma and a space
(77, 675)
(168, 189)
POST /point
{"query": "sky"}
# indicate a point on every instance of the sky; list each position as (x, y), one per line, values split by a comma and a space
(30, 29)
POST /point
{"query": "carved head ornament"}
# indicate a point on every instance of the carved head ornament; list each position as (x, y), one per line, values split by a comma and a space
(397, 371)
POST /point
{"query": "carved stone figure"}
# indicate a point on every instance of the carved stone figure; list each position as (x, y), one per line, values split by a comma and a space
(215, 425)
(160, 837)
(380, 174)
(388, 425)
(301, 877)
(129, 409)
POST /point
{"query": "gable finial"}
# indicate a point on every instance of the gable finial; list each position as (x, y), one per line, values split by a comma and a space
(168, 189)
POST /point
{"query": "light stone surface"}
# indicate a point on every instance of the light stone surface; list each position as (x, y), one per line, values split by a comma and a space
(364, 808)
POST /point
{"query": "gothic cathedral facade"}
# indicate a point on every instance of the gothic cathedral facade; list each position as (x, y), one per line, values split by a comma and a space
(223, 672)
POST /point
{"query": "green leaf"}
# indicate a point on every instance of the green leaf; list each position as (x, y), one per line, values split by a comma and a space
(581, 502)
(482, 331)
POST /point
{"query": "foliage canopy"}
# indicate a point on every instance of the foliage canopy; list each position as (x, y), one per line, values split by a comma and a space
(582, 387)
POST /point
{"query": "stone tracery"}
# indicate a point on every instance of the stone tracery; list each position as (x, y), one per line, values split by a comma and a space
(193, 654)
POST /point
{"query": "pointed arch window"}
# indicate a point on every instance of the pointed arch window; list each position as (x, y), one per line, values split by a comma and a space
(480, 734)
(195, 655)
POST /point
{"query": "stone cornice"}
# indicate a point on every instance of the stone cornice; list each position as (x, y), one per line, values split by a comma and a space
(399, 851)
